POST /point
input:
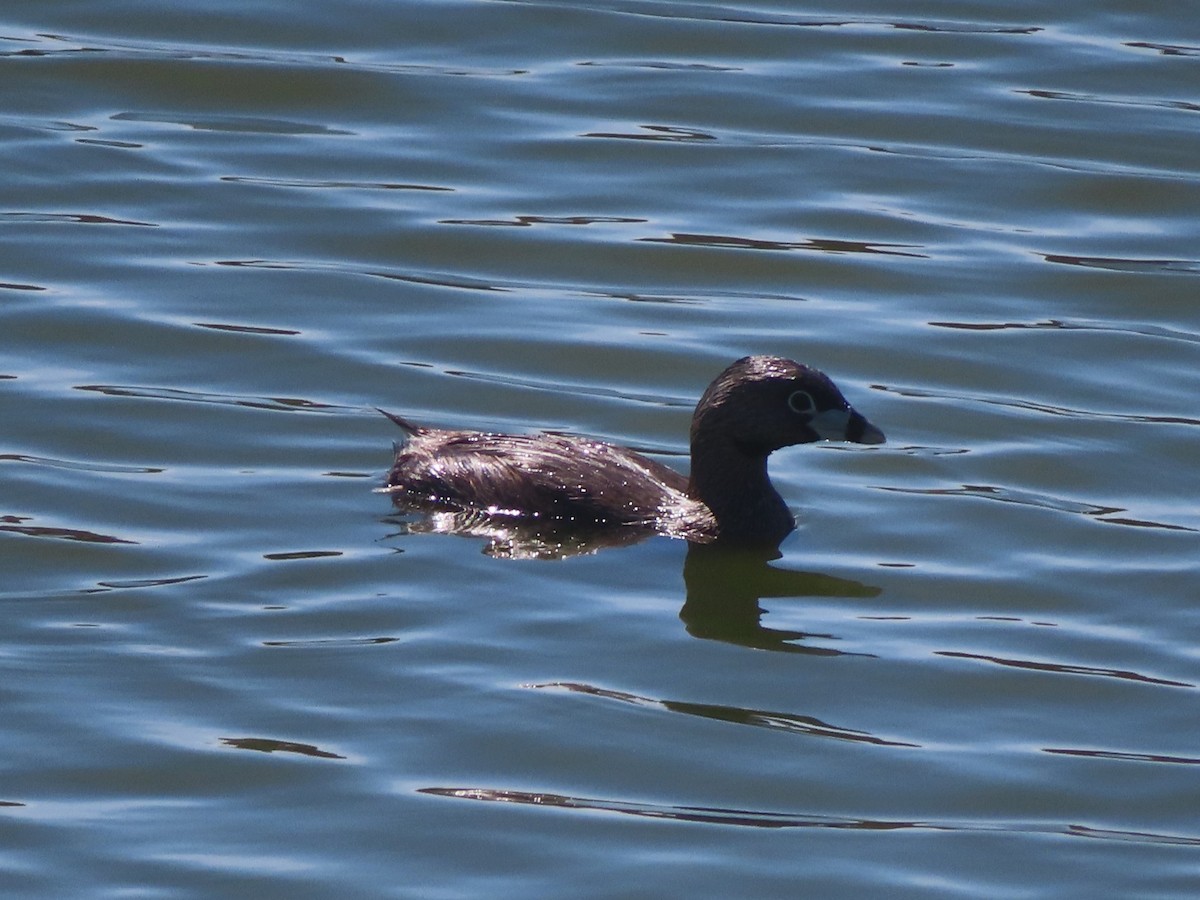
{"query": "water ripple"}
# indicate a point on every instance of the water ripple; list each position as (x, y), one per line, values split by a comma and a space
(332, 642)
(1117, 264)
(1043, 501)
(748, 16)
(670, 133)
(526, 221)
(1113, 101)
(435, 279)
(822, 245)
(564, 387)
(1143, 330)
(61, 45)
(271, 745)
(1048, 409)
(746, 818)
(334, 184)
(1064, 668)
(73, 218)
(1165, 49)
(15, 525)
(301, 554)
(82, 466)
(147, 582)
(277, 404)
(1125, 756)
(247, 329)
(778, 721)
(232, 123)
(668, 65)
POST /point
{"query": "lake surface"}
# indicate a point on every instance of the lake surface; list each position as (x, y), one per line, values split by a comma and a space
(230, 669)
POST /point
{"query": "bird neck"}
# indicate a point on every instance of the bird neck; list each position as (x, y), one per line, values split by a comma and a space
(733, 483)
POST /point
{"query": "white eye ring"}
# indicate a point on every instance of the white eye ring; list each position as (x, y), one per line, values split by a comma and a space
(802, 402)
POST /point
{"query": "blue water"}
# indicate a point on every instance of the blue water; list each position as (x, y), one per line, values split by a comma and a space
(228, 668)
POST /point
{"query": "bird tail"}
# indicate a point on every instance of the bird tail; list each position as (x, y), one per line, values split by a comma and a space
(410, 427)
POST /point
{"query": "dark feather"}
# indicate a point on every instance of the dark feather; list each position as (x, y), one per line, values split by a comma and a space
(551, 476)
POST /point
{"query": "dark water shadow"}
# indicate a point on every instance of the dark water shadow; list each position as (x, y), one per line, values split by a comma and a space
(17, 525)
(791, 723)
(272, 745)
(755, 818)
(723, 584)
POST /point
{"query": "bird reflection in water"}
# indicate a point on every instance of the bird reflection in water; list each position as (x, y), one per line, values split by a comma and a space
(724, 584)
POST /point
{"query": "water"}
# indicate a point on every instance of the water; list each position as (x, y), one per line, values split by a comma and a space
(227, 236)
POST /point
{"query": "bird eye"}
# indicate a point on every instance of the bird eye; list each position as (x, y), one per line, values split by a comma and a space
(802, 402)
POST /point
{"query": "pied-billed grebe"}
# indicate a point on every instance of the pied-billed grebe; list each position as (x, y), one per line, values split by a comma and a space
(757, 405)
